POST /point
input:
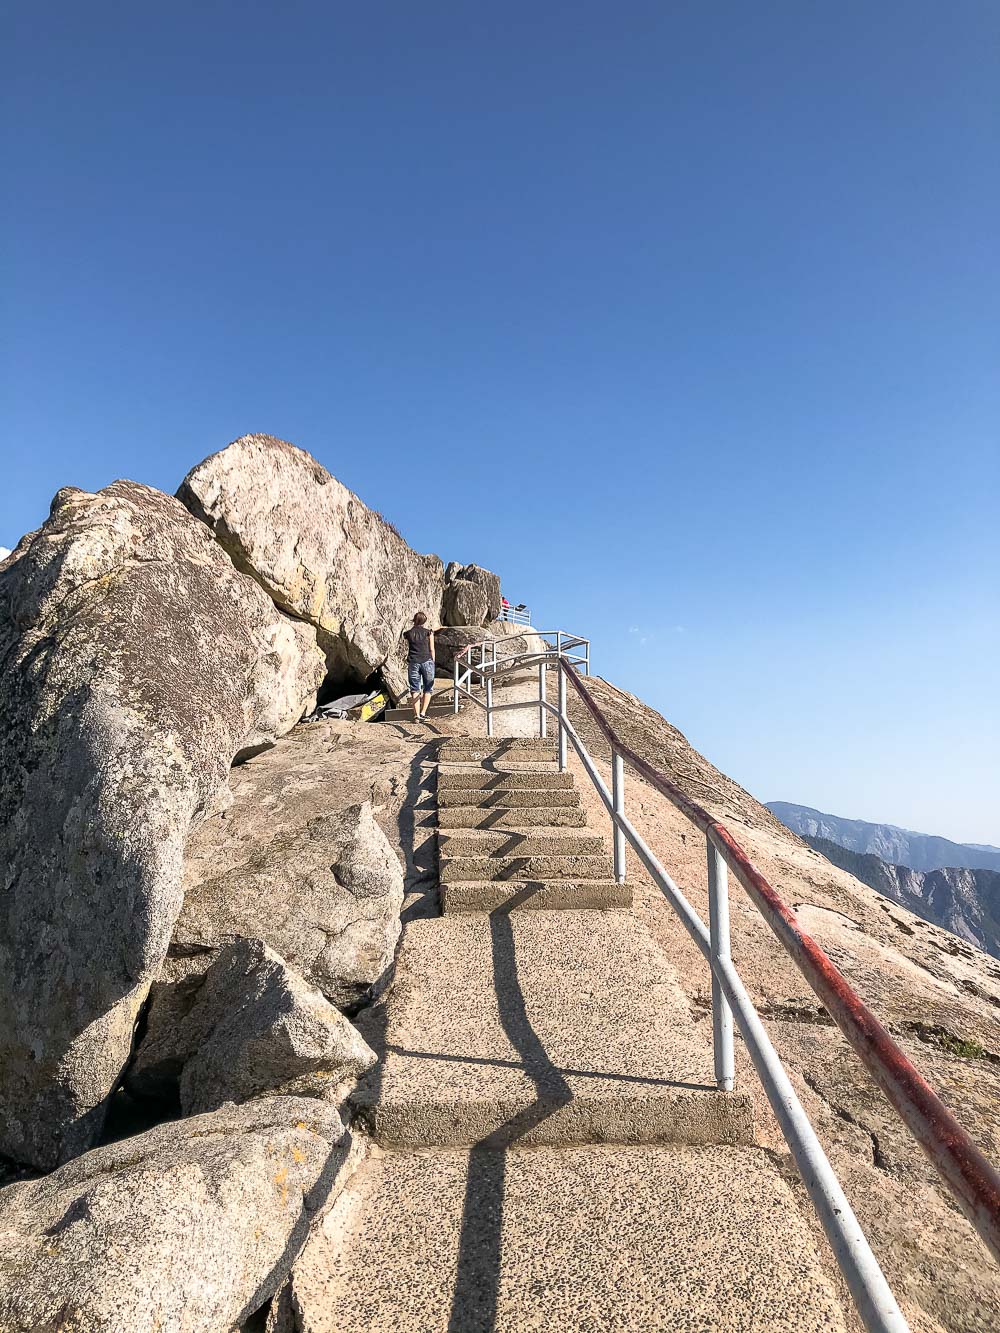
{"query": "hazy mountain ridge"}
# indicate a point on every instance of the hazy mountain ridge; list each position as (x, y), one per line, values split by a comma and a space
(963, 900)
(898, 846)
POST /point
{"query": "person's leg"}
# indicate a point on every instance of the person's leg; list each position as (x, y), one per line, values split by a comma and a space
(427, 672)
(413, 671)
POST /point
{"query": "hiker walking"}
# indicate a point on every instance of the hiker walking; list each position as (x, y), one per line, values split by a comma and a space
(420, 664)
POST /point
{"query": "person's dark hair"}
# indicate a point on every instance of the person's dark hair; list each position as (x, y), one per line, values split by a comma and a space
(420, 618)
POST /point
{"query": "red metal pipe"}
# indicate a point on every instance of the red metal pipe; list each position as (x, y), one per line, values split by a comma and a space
(969, 1175)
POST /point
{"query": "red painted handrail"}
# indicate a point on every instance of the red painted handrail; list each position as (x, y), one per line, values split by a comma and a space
(970, 1176)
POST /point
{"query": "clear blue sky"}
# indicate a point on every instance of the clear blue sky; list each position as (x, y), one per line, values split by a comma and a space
(684, 317)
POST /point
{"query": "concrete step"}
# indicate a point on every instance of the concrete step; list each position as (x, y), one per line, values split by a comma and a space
(556, 895)
(523, 867)
(550, 842)
(474, 778)
(466, 748)
(406, 714)
(531, 798)
(540, 1028)
(499, 817)
(572, 1239)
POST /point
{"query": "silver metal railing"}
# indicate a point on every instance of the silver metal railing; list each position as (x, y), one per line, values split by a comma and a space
(515, 615)
(730, 999)
(480, 660)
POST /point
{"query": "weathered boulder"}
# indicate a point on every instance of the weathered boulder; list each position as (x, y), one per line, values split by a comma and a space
(490, 584)
(453, 570)
(465, 603)
(136, 664)
(250, 1025)
(318, 551)
(325, 894)
(510, 640)
(451, 639)
(190, 1226)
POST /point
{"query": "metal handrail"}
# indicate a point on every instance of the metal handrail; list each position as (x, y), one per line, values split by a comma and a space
(967, 1172)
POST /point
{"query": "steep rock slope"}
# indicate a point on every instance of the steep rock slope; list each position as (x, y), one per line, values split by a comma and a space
(966, 902)
(939, 996)
(899, 846)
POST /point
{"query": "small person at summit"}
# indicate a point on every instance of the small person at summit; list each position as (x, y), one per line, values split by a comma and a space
(420, 664)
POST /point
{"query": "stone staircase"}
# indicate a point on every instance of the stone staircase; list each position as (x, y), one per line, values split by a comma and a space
(441, 704)
(508, 831)
(552, 1152)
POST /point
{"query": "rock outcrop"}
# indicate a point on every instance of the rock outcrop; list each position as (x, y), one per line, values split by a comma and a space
(318, 551)
(465, 603)
(251, 1026)
(490, 585)
(511, 640)
(190, 1226)
(137, 663)
(325, 894)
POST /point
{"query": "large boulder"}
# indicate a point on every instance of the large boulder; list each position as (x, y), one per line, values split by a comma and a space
(510, 640)
(451, 640)
(192, 1225)
(465, 603)
(318, 551)
(251, 1026)
(137, 664)
(325, 894)
(490, 584)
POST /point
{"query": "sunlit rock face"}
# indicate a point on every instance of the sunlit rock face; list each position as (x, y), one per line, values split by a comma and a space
(318, 551)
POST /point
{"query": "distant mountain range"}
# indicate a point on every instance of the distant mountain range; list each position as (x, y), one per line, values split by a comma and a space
(966, 902)
(899, 846)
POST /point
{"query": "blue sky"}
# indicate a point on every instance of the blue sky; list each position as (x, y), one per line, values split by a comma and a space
(684, 317)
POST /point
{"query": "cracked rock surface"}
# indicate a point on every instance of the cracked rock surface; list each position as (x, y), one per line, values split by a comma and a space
(137, 663)
(192, 1225)
(252, 1025)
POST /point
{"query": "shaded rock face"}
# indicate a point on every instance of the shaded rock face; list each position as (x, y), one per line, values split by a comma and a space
(325, 894)
(318, 551)
(136, 663)
(966, 902)
(465, 603)
(251, 1025)
(192, 1225)
(490, 584)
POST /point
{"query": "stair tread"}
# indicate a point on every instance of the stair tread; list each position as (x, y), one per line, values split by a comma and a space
(605, 1236)
(557, 866)
(490, 1016)
(576, 895)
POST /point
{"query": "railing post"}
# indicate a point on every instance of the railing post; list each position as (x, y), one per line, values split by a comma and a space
(562, 714)
(543, 716)
(587, 655)
(456, 686)
(489, 705)
(718, 925)
(618, 801)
